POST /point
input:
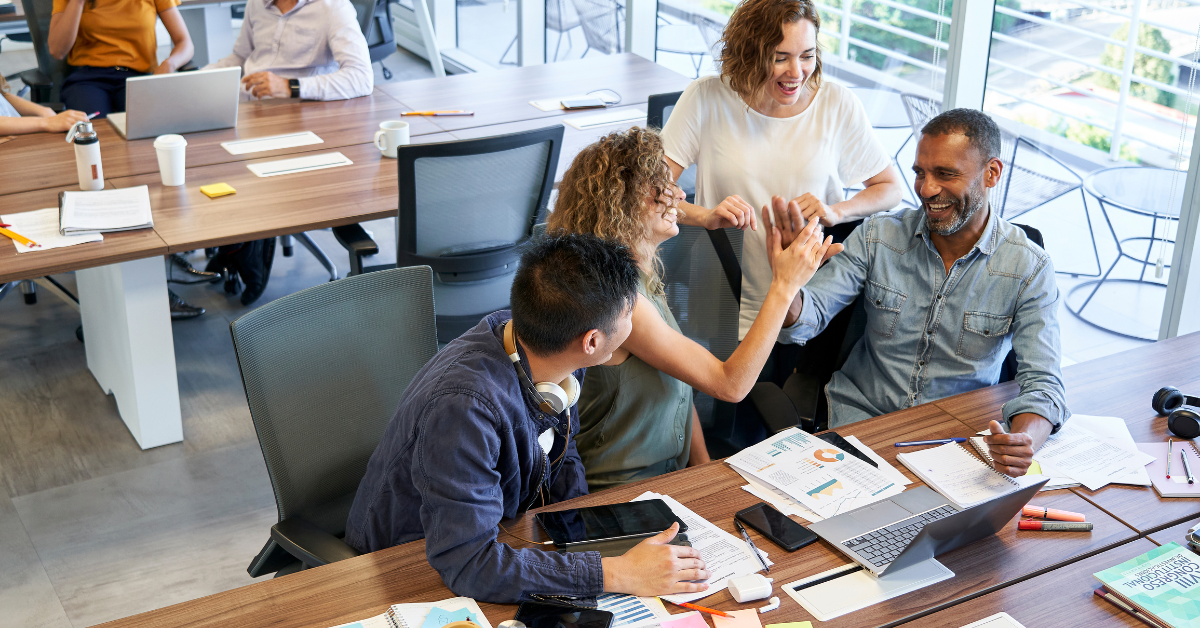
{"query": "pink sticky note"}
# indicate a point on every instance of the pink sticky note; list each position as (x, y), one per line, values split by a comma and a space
(739, 619)
(685, 620)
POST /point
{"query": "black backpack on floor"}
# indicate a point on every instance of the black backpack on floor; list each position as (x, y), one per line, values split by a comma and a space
(249, 261)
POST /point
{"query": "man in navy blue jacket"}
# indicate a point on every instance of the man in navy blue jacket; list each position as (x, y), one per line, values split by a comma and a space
(472, 442)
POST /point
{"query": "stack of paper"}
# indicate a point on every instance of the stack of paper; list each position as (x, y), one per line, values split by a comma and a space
(41, 226)
(725, 556)
(818, 475)
(104, 211)
(1094, 451)
(788, 506)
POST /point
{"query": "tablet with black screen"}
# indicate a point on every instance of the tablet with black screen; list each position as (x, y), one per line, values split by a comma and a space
(613, 521)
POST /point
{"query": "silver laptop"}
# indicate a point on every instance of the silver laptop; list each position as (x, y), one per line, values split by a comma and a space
(917, 525)
(180, 102)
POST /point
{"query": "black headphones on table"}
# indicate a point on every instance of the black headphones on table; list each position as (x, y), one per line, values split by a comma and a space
(1183, 411)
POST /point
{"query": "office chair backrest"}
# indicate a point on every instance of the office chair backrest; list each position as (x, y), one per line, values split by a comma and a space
(601, 25)
(324, 370)
(37, 18)
(658, 109)
(464, 208)
(375, 20)
(561, 15)
(711, 31)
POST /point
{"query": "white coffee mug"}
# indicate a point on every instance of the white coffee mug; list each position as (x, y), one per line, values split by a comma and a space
(171, 151)
(391, 134)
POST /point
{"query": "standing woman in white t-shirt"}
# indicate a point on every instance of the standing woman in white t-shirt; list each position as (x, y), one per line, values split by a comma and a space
(769, 127)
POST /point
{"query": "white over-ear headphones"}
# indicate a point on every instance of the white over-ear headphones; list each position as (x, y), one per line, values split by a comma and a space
(554, 397)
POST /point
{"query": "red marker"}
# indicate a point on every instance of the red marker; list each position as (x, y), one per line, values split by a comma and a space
(1053, 526)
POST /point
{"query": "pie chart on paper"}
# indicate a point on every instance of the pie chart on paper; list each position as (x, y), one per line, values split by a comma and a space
(828, 455)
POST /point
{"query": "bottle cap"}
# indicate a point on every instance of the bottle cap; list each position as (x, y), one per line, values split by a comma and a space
(170, 141)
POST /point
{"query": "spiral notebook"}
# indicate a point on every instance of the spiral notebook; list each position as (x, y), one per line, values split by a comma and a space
(959, 476)
(425, 615)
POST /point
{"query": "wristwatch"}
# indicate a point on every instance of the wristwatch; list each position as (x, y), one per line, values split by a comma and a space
(294, 84)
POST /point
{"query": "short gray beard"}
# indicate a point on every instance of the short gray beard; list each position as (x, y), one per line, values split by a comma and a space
(959, 220)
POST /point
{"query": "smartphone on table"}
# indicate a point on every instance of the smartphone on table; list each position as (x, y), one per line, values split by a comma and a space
(535, 615)
(776, 526)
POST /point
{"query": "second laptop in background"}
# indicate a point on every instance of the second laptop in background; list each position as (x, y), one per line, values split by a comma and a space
(182, 102)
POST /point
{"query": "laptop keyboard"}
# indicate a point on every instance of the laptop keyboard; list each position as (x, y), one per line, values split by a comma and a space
(882, 546)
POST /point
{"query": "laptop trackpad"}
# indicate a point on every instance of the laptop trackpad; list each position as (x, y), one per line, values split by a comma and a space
(878, 515)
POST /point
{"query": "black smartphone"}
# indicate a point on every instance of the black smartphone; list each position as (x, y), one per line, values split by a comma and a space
(612, 521)
(535, 615)
(776, 526)
(835, 439)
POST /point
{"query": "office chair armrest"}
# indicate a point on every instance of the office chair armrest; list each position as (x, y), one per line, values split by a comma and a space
(271, 558)
(358, 243)
(35, 78)
(312, 545)
(774, 408)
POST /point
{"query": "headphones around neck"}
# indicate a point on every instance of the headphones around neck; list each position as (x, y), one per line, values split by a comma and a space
(1183, 411)
(553, 398)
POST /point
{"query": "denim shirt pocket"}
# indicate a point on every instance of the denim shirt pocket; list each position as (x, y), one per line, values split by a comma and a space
(982, 335)
(884, 305)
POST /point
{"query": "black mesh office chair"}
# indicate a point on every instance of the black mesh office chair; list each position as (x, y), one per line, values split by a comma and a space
(45, 81)
(465, 208)
(800, 402)
(375, 20)
(324, 370)
(1020, 189)
(658, 109)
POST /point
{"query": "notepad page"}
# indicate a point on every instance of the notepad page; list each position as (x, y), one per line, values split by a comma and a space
(957, 475)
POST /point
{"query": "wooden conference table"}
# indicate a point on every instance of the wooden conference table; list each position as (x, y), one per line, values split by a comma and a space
(1042, 578)
(126, 267)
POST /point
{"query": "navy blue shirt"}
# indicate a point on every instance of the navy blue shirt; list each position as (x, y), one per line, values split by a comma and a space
(460, 455)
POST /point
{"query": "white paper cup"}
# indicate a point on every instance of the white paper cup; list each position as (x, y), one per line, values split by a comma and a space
(171, 149)
(391, 134)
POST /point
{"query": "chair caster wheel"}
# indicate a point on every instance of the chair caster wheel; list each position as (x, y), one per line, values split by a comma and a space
(31, 298)
(79, 333)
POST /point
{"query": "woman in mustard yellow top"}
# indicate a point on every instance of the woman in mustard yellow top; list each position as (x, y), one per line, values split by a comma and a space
(108, 41)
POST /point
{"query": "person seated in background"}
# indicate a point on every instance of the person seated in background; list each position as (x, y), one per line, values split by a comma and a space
(770, 125)
(311, 49)
(19, 116)
(948, 288)
(475, 442)
(636, 414)
(109, 41)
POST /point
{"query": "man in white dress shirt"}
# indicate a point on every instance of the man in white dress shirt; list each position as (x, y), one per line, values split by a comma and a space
(310, 49)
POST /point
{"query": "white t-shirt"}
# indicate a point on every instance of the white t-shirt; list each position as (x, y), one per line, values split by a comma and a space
(738, 151)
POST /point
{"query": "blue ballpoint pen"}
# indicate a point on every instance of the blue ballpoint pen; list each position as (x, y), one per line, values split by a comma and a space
(939, 441)
(753, 549)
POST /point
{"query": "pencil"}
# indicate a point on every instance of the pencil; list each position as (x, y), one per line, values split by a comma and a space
(20, 238)
(711, 611)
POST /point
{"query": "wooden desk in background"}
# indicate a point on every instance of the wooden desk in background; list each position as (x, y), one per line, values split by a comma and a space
(43, 160)
(1116, 385)
(366, 585)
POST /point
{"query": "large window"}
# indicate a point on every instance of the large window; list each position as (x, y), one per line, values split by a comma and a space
(1097, 104)
(487, 30)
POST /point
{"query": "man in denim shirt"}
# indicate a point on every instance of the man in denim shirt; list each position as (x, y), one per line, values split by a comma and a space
(948, 289)
(472, 443)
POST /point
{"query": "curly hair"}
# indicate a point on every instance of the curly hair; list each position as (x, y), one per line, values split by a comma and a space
(754, 31)
(603, 192)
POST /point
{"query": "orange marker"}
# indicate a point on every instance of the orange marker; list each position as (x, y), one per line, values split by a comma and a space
(20, 238)
(1052, 513)
(711, 611)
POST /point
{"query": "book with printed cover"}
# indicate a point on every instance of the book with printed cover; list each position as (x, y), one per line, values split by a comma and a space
(1163, 583)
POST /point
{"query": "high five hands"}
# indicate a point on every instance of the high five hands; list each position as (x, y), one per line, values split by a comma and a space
(791, 224)
(795, 252)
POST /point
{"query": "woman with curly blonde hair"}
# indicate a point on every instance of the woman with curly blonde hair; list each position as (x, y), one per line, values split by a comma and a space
(770, 129)
(636, 414)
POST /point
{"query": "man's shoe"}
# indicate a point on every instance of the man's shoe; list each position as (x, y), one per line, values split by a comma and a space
(181, 309)
(190, 275)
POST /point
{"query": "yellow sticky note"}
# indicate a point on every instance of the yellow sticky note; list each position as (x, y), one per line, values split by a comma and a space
(1034, 469)
(217, 189)
(747, 618)
(792, 624)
